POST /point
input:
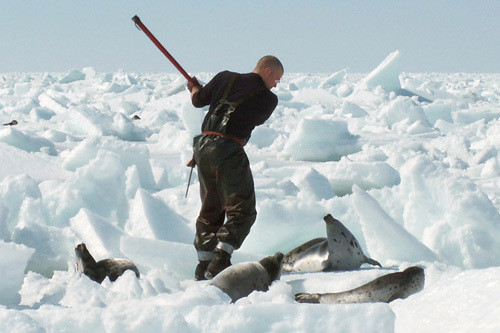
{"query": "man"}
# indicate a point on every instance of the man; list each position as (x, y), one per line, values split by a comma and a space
(238, 103)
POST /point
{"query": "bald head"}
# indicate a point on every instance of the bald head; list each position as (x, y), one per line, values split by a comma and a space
(270, 69)
(271, 62)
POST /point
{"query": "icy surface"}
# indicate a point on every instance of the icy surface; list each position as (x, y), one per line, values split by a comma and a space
(408, 162)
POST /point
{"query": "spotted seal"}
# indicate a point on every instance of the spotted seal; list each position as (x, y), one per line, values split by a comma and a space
(339, 251)
(385, 289)
(97, 271)
(241, 279)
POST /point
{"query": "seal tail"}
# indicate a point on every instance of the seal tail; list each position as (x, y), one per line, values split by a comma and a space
(307, 298)
(372, 262)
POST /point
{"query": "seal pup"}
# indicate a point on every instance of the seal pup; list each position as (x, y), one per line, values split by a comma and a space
(12, 123)
(97, 271)
(241, 279)
(340, 251)
(385, 289)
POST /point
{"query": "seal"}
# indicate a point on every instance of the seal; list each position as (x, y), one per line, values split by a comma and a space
(97, 271)
(241, 279)
(340, 251)
(385, 289)
(12, 123)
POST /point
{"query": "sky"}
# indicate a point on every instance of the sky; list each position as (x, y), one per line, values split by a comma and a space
(210, 36)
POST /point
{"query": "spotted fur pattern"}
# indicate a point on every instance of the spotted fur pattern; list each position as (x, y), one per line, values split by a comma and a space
(383, 289)
(98, 271)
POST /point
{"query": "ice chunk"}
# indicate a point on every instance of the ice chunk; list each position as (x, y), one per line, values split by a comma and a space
(12, 264)
(99, 186)
(13, 192)
(99, 234)
(333, 79)
(93, 121)
(130, 154)
(386, 74)
(439, 110)
(367, 175)
(321, 140)
(263, 136)
(191, 118)
(385, 238)
(313, 185)
(402, 108)
(72, 76)
(151, 218)
(178, 258)
(450, 214)
(351, 109)
(29, 143)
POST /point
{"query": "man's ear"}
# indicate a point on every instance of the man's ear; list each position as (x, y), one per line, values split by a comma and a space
(267, 71)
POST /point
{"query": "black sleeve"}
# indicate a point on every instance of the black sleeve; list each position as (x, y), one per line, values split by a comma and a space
(204, 96)
(269, 111)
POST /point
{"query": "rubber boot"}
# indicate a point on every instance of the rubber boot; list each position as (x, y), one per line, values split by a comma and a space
(199, 273)
(221, 261)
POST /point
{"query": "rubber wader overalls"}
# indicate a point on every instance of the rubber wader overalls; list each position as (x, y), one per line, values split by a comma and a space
(226, 184)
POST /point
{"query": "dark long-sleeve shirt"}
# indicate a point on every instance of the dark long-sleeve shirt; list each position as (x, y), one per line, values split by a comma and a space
(249, 114)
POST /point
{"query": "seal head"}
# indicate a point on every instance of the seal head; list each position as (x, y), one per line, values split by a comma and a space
(241, 279)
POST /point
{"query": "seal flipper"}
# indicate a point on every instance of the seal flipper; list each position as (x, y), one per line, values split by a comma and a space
(291, 255)
(311, 256)
(372, 262)
(307, 298)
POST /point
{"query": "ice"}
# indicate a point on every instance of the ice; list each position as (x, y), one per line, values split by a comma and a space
(386, 74)
(313, 184)
(49, 103)
(450, 214)
(475, 287)
(15, 191)
(99, 185)
(29, 143)
(351, 109)
(384, 237)
(471, 115)
(367, 175)
(72, 76)
(414, 177)
(400, 109)
(263, 136)
(130, 154)
(438, 110)
(94, 123)
(333, 79)
(321, 140)
(100, 235)
(4, 232)
(191, 119)
(12, 264)
(386, 77)
(162, 254)
(16, 321)
(151, 218)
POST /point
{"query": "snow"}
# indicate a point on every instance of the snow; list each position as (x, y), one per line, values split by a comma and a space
(408, 162)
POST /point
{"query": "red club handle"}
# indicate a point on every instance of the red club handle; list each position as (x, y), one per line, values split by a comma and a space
(148, 33)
